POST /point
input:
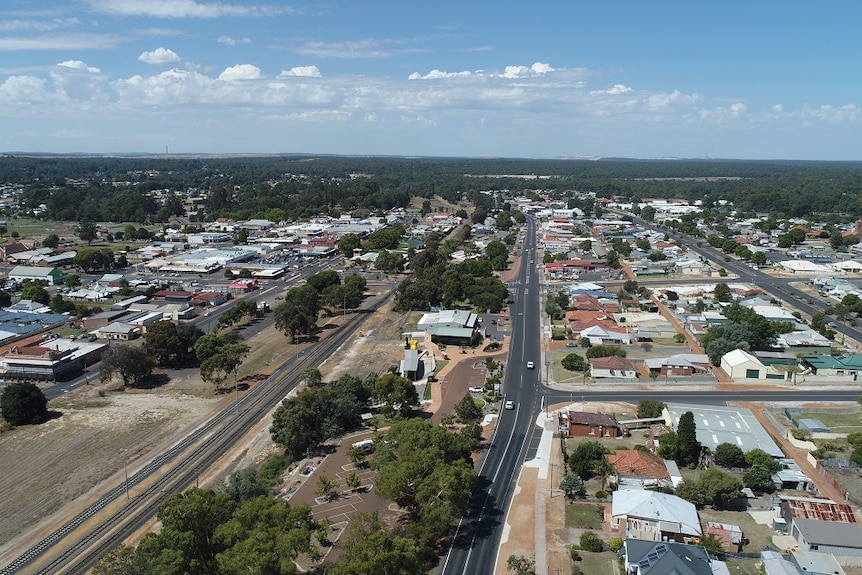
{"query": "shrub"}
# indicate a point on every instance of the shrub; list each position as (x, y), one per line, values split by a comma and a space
(615, 543)
(591, 542)
(800, 434)
(602, 494)
(574, 553)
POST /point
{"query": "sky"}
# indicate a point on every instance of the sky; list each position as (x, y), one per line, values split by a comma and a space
(769, 79)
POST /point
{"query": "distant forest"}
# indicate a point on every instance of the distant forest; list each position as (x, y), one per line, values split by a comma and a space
(296, 187)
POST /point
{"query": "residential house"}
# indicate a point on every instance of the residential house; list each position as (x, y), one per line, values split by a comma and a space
(654, 516)
(824, 526)
(730, 535)
(599, 336)
(679, 365)
(814, 563)
(669, 558)
(118, 331)
(639, 469)
(587, 424)
(612, 367)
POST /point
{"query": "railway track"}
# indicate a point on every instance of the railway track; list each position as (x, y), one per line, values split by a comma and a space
(109, 521)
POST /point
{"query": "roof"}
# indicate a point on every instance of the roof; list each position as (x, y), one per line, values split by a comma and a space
(638, 464)
(831, 533)
(611, 362)
(738, 357)
(818, 508)
(32, 271)
(666, 558)
(716, 424)
(588, 418)
(657, 506)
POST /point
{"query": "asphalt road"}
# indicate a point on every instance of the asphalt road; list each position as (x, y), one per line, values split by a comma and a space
(474, 547)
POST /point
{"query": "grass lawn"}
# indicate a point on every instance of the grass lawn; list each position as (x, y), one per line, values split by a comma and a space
(426, 395)
(596, 563)
(440, 364)
(759, 536)
(584, 515)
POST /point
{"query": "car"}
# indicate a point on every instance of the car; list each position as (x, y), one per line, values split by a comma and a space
(530, 365)
(510, 405)
(477, 389)
(571, 344)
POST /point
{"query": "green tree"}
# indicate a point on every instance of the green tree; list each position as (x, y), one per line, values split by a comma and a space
(396, 392)
(35, 292)
(130, 362)
(244, 485)
(729, 455)
(521, 565)
(648, 408)
(606, 350)
(589, 541)
(467, 410)
(168, 343)
(23, 404)
(572, 485)
(582, 459)
(347, 243)
(297, 314)
(51, 241)
(367, 547)
(688, 447)
(759, 479)
(574, 362)
(719, 488)
(712, 544)
(721, 293)
(215, 369)
(87, 231)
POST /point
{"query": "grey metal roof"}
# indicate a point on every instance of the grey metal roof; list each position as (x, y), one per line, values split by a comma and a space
(665, 558)
(832, 533)
(719, 424)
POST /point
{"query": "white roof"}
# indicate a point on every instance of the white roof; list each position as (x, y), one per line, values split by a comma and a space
(738, 357)
(657, 506)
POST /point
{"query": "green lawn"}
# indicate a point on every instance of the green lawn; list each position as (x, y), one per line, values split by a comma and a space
(440, 364)
(426, 395)
(597, 563)
(584, 515)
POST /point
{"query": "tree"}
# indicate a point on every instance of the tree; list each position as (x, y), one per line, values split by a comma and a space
(721, 293)
(712, 544)
(297, 314)
(325, 487)
(729, 455)
(347, 243)
(688, 447)
(719, 488)
(574, 362)
(130, 362)
(244, 485)
(396, 392)
(367, 547)
(521, 565)
(582, 459)
(467, 410)
(23, 404)
(72, 280)
(87, 231)
(589, 541)
(51, 241)
(226, 361)
(648, 408)
(35, 292)
(759, 479)
(572, 485)
(168, 343)
(121, 560)
(606, 350)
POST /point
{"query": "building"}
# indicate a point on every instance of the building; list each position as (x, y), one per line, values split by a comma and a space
(51, 275)
(717, 424)
(740, 364)
(654, 516)
(669, 558)
(587, 424)
(612, 367)
(824, 526)
(639, 469)
(47, 360)
(839, 365)
(730, 535)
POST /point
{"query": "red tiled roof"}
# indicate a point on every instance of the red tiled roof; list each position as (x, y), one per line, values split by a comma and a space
(639, 464)
(588, 418)
(612, 362)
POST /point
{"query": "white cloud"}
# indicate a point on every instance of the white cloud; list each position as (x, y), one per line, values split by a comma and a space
(438, 74)
(78, 65)
(368, 48)
(36, 25)
(181, 8)
(232, 41)
(615, 90)
(536, 69)
(26, 90)
(304, 71)
(240, 72)
(61, 42)
(159, 56)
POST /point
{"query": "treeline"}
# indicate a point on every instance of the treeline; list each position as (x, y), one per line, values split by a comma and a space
(291, 187)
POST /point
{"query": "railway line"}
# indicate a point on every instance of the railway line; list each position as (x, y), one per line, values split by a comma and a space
(78, 544)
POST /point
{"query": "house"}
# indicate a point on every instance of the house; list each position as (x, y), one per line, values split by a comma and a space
(824, 526)
(654, 516)
(599, 336)
(775, 564)
(639, 469)
(740, 364)
(669, 558)
(117, 330)
(612, 367)
(48, 274)
(9, 249)
(587, 424)
(679, 365)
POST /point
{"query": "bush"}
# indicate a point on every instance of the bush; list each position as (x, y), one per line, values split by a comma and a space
(602, 494)
(729, 455)
(615, 543)
(574, 553)
(574, 362)
(591, 542)
(577, 570)
(802, 434)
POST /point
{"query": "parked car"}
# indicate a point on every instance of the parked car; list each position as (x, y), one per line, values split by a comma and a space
(477, 389)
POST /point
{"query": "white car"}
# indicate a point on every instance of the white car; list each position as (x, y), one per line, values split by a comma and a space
(477, 389)
(510, 405)
(530, 365)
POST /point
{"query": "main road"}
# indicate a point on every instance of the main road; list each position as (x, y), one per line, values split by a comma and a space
(477, 539)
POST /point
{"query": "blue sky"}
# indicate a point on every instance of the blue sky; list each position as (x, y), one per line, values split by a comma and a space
(735, 79)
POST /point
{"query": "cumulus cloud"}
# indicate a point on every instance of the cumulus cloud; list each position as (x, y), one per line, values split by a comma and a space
(615, 90)
(181, 8)
(227, 40)
(78, 65)
(159, 56)
(304, 71)
(240, 72)
(438, 74)
(536, 69)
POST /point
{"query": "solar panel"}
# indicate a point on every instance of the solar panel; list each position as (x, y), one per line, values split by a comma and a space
(661, 548)
(644, 565)
(652, 556)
